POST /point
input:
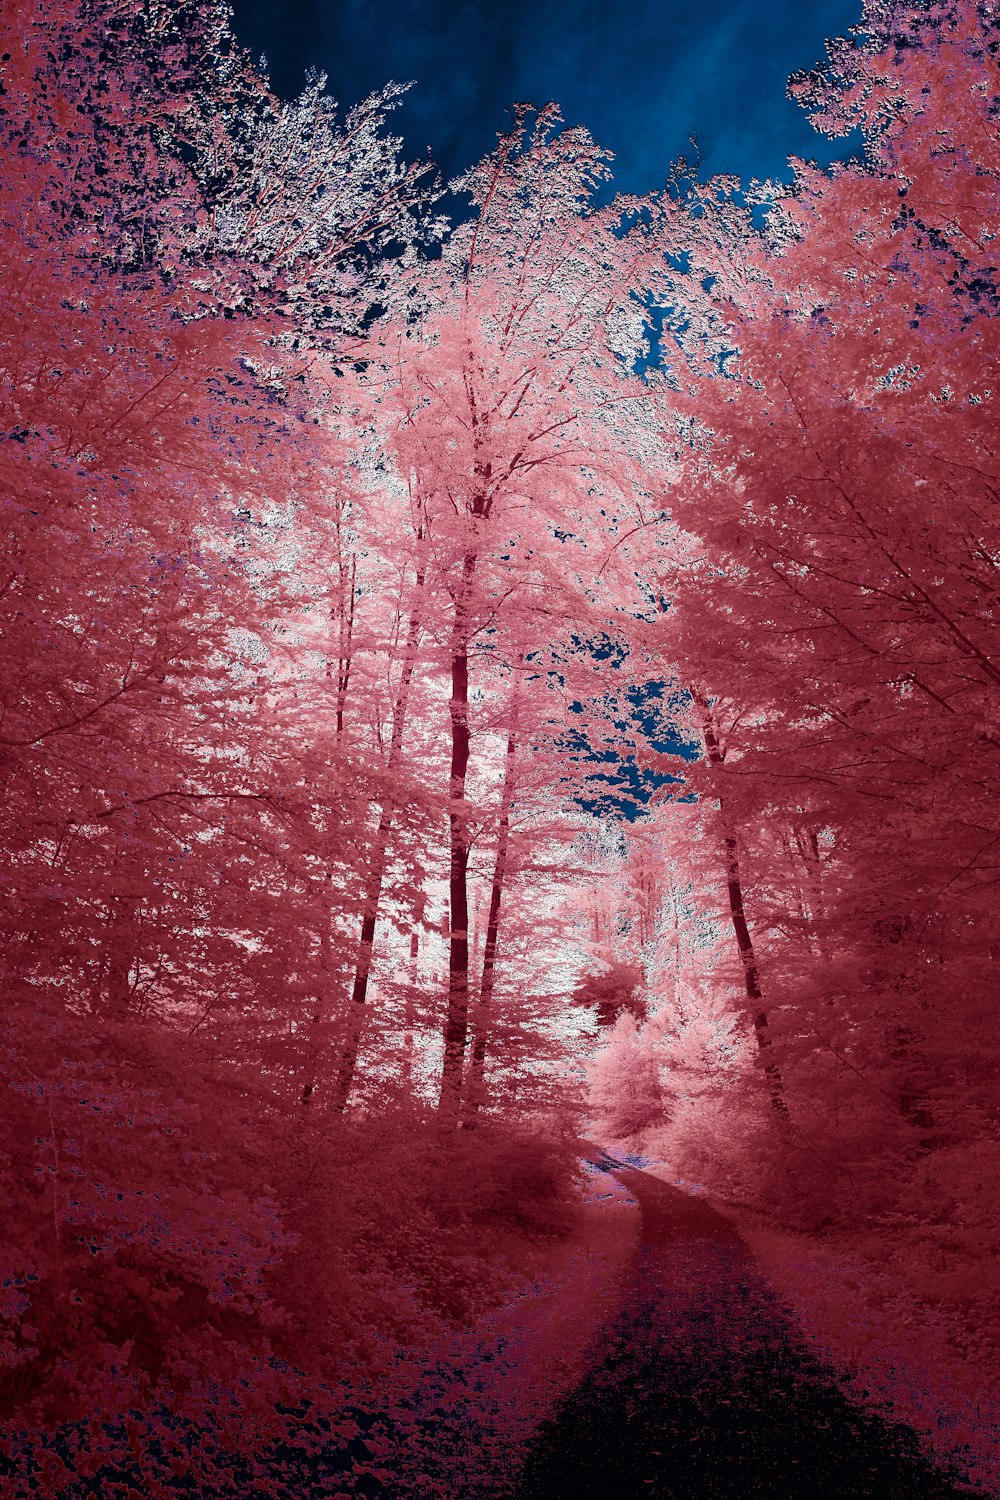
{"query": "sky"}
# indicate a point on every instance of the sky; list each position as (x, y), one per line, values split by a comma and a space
(643, 76)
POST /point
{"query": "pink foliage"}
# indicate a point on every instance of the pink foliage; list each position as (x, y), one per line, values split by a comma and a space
(331, 578)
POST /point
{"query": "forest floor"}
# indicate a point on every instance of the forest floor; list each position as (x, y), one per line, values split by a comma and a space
(666, 1348)
(455, 1419)
(663, 1344)
(702, 1384)
(576, 1288)
(873, 1325)
(887, 1344)
(663, 1347)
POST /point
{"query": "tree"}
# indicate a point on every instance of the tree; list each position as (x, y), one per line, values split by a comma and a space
(611, 993)
(835, 608)
(178, 837)
(521, 359)
(625, 1085)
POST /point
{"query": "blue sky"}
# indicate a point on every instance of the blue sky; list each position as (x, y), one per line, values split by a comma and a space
(642, 76)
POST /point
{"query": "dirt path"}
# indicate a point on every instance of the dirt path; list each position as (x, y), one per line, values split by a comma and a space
(702, 1387)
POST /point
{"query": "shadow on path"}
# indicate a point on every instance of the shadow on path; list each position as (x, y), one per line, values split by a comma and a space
(703, 1387)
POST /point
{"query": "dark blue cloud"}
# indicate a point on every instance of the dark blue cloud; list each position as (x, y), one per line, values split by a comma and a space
(643, 77)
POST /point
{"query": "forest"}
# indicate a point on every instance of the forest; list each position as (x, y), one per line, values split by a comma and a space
(487, 666)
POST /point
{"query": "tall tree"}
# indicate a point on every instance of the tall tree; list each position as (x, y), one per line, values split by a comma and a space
(512, 386)
(840, 482)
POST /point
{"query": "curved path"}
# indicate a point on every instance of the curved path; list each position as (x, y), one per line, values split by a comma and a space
(703, 1387)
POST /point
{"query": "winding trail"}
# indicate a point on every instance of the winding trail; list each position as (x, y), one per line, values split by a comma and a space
(702, 1386)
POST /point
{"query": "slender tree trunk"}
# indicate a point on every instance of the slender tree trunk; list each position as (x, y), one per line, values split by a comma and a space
(741, 929)
(366, 944)
(807, 844)
(345, 658)
(342, 615)
(350, 1047)
(457, 1021)
(751, 973)
(378, 858)
(320, 1020)
(475, 1089)
(409, 1013)
(456, 1026)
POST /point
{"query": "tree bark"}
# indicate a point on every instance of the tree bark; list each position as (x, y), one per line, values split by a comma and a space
(457, 1021)
(351, 1044)
(409, 1013)
(475, 1087)
(345, 648)
(456, 1027)
(741, 929)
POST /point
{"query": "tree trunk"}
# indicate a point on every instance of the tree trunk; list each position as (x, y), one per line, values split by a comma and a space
(409, 1013)
(362, 973)
(677, 1009)
(457, 1020)
(475, 1090)
(345, 658)
(376, 876)
(804, 842)
(741, 930)
(342, 616)
(320, 1020)
(456, 1027)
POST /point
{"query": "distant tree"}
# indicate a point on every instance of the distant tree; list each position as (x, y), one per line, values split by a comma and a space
(624, 1078)
(615, 989)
